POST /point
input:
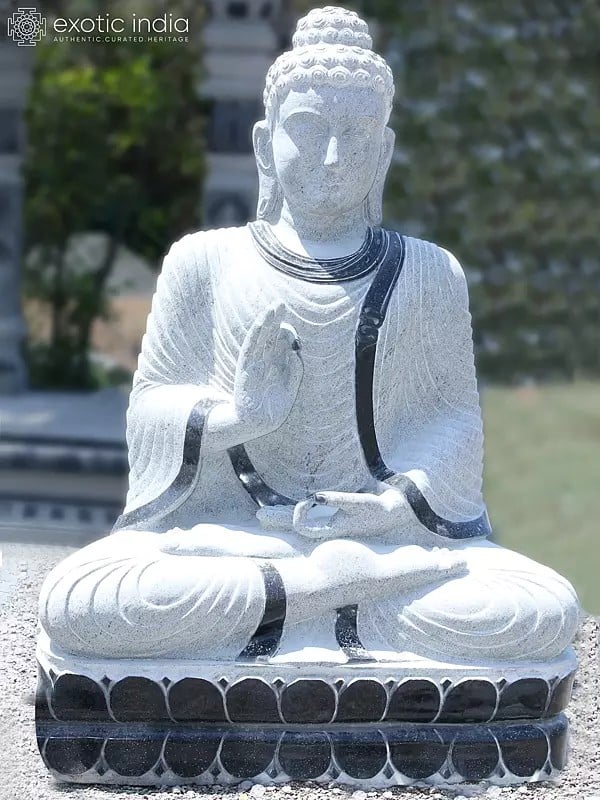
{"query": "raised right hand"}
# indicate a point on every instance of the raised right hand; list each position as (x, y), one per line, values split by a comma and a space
(268, 372)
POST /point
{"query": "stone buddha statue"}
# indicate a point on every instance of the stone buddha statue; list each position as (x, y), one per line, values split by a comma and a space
(305, 441)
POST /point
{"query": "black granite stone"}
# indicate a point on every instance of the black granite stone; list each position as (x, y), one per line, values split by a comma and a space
(526, 750)
(414, 701)
(78, 698)
(247, 753)
(42, 706)
(138, 700)
(189, 755)
(417, 752)
(265, 640)
(72, 746)
(361, 700)
(42, 703)
(304, 756)
(132, 757)
(346, 634)
(475, 753)
(469, 701)
(559, 742)
(561, 695)
(196, 700)
(252, 700)
(308, 702)
(183, 481)
(360, 754)
(71, 756)
(523, 698)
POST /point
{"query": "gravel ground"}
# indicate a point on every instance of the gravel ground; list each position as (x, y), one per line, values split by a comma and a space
(25, 777)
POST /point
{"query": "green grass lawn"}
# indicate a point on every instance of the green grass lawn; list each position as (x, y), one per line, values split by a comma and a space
(542, 477)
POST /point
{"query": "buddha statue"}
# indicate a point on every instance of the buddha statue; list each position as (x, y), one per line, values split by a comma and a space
(305, 446)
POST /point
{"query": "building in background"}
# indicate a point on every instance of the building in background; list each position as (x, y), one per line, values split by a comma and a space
(15, 64)
(241, 40)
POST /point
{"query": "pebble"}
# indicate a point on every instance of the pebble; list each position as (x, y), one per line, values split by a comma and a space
(257, 791)
(359, 795)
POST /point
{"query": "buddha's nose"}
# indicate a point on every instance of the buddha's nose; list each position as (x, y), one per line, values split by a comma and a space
(331, 158)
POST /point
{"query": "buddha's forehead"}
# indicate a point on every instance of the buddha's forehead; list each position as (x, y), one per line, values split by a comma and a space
(334, 102)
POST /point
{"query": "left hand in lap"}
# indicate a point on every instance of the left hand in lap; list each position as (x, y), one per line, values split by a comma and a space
(358, 514)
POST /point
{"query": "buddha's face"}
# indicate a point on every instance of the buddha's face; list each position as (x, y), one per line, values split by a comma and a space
(327, 143)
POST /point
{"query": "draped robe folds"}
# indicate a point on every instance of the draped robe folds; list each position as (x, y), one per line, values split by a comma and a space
(426, 410)
(142, 593)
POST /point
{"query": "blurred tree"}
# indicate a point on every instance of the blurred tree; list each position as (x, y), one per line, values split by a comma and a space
(114, 145)
(497, 117)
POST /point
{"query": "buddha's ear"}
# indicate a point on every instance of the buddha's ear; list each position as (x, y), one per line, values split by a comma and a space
(269, 192)
(374, 201)
(263, 150)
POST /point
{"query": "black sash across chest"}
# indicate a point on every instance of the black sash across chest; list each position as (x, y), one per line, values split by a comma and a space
(371, 318)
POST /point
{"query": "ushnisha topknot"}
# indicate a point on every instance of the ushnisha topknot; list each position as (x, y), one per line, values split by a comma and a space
(332, 25)
(331, 46)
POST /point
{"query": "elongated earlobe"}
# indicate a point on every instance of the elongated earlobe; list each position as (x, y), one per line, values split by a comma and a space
(374, 202)
(269, 192)
(261, 140)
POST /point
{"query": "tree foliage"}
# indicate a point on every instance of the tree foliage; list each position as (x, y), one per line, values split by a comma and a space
(114, 146)
(497, 120)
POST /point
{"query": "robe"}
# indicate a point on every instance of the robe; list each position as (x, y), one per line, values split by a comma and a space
(426, 413)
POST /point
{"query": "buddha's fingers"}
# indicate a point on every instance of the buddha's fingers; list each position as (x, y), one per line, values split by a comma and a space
(342, 500)
(291, 335)
(359, 514)
(421, 566)
(258, 336)
(276, 518)
(282, 356)
(318, 529)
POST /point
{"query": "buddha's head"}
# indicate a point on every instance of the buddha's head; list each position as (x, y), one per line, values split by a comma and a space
(324, 144)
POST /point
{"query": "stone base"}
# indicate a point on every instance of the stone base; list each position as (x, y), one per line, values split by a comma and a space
(361, 755)
(365, 724)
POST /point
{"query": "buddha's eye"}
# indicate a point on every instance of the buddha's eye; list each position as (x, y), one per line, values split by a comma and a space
(305, 124)
(361, 127)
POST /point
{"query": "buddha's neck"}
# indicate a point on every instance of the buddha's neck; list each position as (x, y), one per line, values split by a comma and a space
(321, 236)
